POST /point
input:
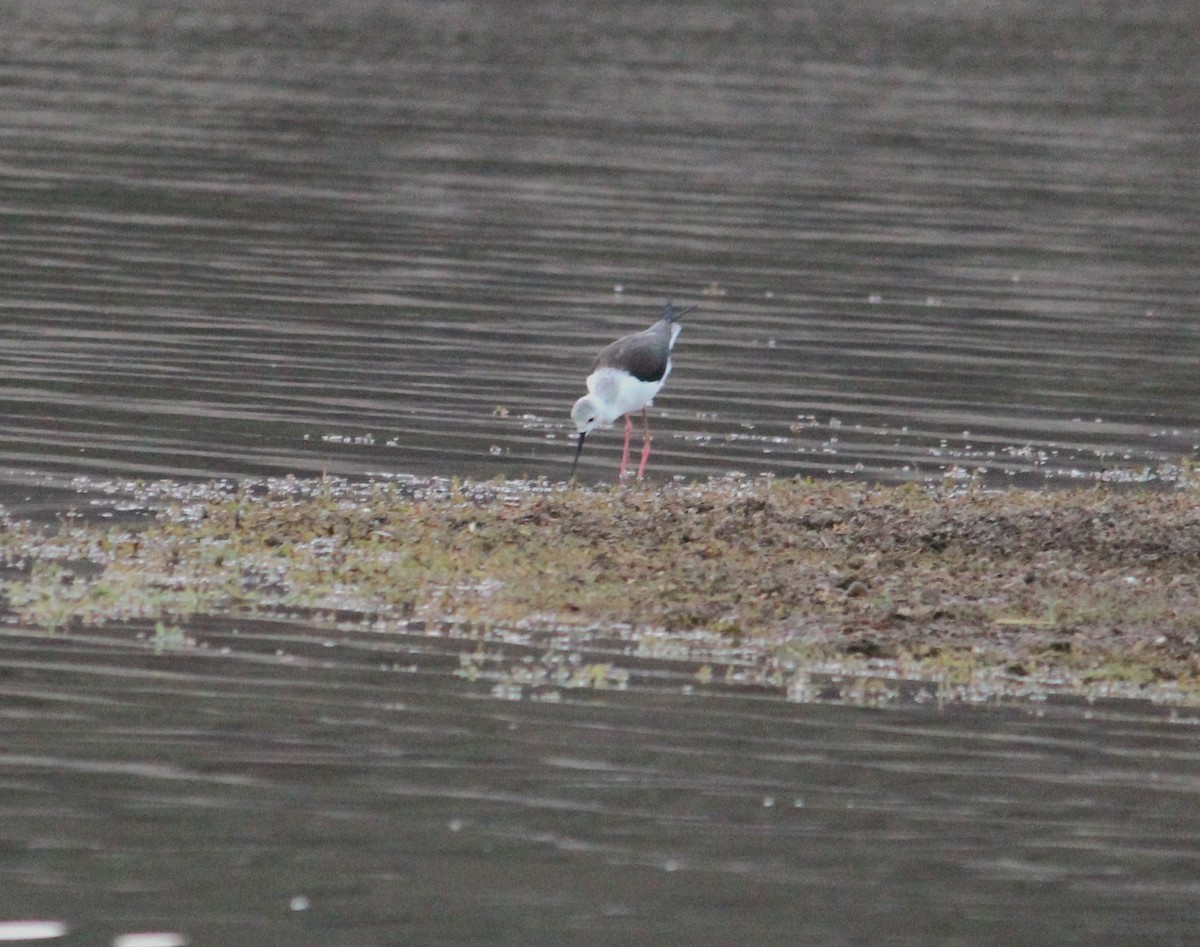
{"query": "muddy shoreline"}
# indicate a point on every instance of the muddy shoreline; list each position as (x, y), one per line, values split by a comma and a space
(1092, 591)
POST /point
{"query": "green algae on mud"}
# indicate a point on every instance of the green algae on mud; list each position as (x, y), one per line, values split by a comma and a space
(1094, 590)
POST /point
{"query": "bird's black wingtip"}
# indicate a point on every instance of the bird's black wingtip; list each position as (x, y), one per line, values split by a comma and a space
(671, 314)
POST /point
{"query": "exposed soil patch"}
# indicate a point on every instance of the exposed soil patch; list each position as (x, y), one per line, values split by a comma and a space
(1080, 588)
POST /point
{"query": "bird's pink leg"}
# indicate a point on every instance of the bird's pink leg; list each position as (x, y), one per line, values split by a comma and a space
(625, 451)
(645, 444)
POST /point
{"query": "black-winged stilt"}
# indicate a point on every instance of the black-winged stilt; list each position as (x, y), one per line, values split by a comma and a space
(625, 377)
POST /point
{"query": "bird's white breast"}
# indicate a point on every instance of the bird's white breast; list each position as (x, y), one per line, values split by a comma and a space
(619, 393)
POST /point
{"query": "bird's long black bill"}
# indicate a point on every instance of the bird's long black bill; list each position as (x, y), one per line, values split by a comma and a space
(578, 451)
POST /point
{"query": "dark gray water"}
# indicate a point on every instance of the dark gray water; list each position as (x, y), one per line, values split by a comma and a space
(365, 237)
(287, 237)
(203, 787)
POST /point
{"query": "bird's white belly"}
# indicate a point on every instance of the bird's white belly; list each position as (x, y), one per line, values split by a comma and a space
(619, 393)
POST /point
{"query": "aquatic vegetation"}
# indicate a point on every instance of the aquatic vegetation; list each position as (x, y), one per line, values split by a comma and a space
(954, 585)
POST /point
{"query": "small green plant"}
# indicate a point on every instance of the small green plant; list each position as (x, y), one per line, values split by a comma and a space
(168, 638)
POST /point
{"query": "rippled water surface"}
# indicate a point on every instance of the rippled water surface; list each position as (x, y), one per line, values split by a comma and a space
(277, 782)
(357, 237)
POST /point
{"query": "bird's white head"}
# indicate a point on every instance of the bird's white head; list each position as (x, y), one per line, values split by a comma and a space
(587, 414)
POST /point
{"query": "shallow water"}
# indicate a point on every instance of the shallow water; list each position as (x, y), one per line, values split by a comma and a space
(359, 237)
(279, 782)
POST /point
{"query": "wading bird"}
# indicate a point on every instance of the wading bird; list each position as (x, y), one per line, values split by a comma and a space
(625, 378)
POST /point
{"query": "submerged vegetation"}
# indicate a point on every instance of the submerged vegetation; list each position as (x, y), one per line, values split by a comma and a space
(1095, 589)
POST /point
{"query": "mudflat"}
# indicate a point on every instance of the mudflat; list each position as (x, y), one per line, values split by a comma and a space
(1095, 590)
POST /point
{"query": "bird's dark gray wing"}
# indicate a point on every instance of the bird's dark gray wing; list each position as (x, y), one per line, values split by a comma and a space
(644, 355)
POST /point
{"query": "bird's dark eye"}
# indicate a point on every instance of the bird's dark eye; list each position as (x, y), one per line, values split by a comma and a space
(591, 420)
